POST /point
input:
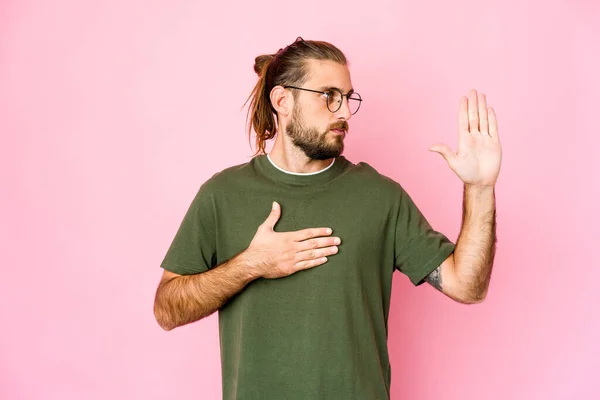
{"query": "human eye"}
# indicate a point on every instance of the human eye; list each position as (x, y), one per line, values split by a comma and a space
(329, 93)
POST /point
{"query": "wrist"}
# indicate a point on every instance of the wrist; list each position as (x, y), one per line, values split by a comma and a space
(248, 265)
(476, 188)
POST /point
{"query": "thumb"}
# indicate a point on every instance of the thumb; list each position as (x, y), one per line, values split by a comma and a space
(273, 216)
(444, 151)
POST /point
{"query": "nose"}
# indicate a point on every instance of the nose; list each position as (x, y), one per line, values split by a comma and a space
(344, 111)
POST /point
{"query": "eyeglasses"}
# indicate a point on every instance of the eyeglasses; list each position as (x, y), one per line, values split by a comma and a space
(335, 97)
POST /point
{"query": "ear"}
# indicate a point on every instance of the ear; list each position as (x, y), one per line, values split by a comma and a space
(282, 100)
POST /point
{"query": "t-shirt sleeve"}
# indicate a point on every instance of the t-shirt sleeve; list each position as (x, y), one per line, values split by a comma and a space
(419, 249)
(193, 250)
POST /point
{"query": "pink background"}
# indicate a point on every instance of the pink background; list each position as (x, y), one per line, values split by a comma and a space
(113, 113)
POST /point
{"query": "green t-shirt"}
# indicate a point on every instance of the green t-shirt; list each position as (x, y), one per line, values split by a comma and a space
(318, 334)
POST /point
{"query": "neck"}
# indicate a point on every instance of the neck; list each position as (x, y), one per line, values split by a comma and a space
(290, 158)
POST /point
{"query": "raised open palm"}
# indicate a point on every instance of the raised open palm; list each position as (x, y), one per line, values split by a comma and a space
(479, 155)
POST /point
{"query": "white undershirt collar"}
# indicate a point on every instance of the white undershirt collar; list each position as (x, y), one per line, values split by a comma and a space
(300, 173)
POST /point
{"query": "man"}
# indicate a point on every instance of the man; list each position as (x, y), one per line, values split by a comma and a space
(303, 292)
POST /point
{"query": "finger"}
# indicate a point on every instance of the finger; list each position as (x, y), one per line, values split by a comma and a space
(444, 150)
(473, 112)
(483, 115)
(273, 216)
(310, 263)
(315, 254)
(493, 128)
(310, 233)
(463, 115)
(318, 243)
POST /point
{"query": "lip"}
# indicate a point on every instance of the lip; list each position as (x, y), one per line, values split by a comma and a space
(338, 131)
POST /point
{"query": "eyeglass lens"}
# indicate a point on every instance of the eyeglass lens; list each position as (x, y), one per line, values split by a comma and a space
(334, 101)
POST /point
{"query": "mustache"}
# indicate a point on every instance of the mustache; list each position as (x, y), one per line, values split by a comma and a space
(339, 125)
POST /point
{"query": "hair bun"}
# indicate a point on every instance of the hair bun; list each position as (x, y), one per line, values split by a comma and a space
(261, 62)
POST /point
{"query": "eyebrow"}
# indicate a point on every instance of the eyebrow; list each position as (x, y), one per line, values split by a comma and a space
(325, 88)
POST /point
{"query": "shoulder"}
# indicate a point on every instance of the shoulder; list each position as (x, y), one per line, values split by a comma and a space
(375, 180)
(230, 176)
(220, 184)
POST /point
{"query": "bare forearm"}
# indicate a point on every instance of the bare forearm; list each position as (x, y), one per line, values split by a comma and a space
(188, 298)
(476, 244)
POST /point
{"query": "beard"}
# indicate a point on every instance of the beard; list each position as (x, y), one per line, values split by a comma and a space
(316, 145)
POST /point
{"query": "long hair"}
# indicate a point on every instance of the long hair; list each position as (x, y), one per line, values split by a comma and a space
(286, 67)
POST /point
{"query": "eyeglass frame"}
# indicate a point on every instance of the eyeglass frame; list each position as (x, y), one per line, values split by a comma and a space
(347, 96)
